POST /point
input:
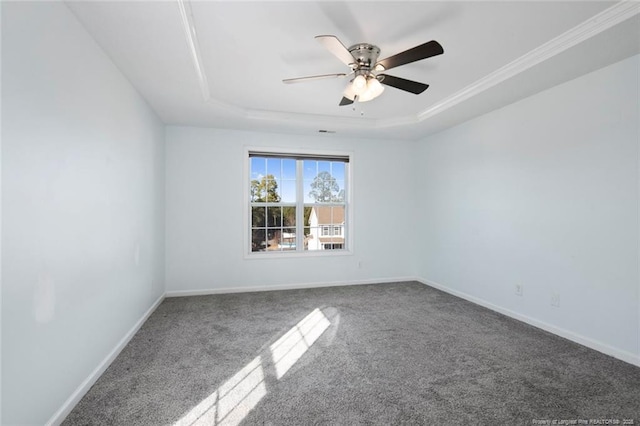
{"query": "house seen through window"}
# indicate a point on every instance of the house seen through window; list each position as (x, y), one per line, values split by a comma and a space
(297, 203)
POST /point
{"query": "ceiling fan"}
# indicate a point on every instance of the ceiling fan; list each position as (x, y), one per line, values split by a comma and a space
(368, 74)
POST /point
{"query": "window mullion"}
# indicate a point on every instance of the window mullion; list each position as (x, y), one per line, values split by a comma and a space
(299, 206)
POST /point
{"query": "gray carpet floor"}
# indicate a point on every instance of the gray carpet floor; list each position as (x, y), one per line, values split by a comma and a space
(397, 353)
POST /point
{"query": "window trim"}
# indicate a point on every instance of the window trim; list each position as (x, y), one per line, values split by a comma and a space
(346, 156)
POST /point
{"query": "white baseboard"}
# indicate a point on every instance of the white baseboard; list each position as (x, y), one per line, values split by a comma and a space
(66, 408)
(297, 286)
(574, 337)
(84, 387)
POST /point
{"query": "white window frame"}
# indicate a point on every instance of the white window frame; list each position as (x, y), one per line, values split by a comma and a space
(348, 204)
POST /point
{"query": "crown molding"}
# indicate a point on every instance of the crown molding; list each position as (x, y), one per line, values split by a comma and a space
(397, 121)
(189, 28)
(315, 119)
(595, 25)
(191, 35)
(606, 19)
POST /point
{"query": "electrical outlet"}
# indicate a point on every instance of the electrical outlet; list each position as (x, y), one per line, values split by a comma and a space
(555, 300)
(519, 289)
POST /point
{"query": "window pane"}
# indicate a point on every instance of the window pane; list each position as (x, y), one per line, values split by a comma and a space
(273, 239)
(289, 216)
(258, 240)
(337, 216)
(324, 166)
(258, 167)
(274, 217)
(289, 169)
(310, 169)
(288, 241)
(288, 191)
(307, 216)
(270, 190)
(259, 183)
(340, 195)
(337, 170)
(258, 215)
(274, 167)
(312, 238)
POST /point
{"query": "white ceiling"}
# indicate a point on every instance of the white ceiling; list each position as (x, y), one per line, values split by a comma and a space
(221, 63)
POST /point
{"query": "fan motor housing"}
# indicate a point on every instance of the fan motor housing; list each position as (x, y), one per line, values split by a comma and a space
(365, 54)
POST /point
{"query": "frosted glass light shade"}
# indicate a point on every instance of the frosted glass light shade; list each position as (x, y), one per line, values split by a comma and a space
(374, 89)
(359, 84)
(349, 93)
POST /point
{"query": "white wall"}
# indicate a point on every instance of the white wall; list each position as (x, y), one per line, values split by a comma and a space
(82, 197)
(543, 193)
(205, 204)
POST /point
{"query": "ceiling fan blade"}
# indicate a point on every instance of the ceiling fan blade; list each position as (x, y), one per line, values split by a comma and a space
(426, 50)
(335, 46)
(345, 101)
(403, 84)
(312, 78)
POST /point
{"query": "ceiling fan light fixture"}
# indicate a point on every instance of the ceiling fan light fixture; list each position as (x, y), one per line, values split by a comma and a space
(359, 84)
(349, 93)
(374, 89)
(362, 58)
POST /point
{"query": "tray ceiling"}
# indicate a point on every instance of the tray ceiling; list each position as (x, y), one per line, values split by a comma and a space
(221, 64)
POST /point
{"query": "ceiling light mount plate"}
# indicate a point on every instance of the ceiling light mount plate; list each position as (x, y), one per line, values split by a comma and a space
(365, 54)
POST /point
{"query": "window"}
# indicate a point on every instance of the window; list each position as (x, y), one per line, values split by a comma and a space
(297, 203)
(332, 246)
(331, 230)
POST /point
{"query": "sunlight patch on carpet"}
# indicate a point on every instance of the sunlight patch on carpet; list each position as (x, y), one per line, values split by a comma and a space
(232, 401)
(230, 404)
(288, 349)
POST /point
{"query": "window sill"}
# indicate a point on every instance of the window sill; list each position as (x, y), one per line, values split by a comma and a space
(288, 255)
